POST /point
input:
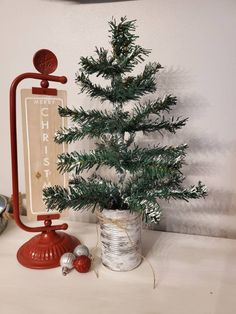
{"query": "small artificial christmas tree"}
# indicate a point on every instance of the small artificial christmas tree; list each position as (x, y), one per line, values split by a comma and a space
(144, 175)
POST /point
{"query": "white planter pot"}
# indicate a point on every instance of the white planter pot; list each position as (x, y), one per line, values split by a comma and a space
(120, 239)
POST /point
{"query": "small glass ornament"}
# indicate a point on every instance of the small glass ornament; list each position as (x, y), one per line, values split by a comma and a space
(66, 262)
(82, 263)
(81, 250)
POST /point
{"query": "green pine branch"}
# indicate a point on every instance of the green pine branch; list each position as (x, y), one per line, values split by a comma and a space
(193, 192)
(142, 111)
(104, 65)
(110, 122)
(79, 162)
(122, 159)
(128, 61)
(122, 89)
(162, 123)
(145, 180)
(150, 208)
(172, 190)
(68, 135)
(82, 194)
(147, 202)
(92, 123)
(122, 36)
(108, 66)
(93, 90)
(96, 123)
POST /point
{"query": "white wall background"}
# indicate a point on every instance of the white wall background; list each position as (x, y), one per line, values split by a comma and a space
(193, 40)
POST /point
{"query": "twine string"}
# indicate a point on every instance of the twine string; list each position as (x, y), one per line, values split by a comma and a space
(93, 251)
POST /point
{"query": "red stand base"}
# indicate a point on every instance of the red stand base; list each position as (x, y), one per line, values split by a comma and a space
(45, 250)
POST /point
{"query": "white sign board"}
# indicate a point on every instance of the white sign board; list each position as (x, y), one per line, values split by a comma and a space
(40, 120)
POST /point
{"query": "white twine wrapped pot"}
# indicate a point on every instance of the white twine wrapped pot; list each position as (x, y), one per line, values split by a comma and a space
(120, 239)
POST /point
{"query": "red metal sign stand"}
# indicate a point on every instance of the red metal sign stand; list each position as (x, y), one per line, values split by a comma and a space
(45, 249)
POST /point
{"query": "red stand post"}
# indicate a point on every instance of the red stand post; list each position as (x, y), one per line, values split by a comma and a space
(45, 249)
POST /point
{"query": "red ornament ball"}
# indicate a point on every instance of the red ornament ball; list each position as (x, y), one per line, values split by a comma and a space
(82, 263)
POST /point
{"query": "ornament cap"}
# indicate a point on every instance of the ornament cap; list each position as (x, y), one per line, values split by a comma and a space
(65, 270)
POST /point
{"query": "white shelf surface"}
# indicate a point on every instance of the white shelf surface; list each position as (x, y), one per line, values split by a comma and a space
(195, 275)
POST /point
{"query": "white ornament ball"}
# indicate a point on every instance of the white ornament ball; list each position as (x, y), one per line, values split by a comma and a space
(66, 262)
(81, 250)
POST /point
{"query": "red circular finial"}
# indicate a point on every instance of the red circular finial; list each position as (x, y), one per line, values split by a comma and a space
(45, 61)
